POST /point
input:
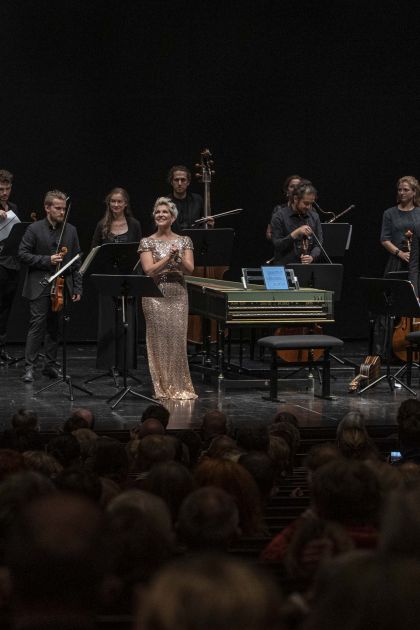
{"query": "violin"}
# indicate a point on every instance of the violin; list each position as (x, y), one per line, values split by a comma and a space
(57, 288)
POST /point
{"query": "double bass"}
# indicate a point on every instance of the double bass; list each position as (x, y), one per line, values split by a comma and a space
(205, 172)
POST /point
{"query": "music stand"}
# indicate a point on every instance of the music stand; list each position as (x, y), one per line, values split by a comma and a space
(112, 258)
(212, 248)
(123, 286)
(336, 238)
(65, 379)
(392, 298)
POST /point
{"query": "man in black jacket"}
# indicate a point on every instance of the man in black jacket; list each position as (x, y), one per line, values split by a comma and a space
(38, 250)
(9, 265)
(189, 205)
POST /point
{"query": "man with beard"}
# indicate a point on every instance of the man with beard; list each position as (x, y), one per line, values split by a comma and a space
(38, 250)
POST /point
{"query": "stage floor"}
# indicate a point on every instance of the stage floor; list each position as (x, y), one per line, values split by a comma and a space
(245, 405)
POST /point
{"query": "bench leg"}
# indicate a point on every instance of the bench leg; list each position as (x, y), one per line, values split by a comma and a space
(273, 379)
(326, 377)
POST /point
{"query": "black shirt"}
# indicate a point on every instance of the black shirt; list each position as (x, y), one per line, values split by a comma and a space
(287, 249)
(189, 210)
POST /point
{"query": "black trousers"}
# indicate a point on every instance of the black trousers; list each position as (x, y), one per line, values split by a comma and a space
(43, 327)
(8, 284)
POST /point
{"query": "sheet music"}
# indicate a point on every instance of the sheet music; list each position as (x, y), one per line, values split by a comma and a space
(89, 259)
(7, 224)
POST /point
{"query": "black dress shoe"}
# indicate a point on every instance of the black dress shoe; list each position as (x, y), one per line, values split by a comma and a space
(5, 357)
(28, 377)
(52, 372)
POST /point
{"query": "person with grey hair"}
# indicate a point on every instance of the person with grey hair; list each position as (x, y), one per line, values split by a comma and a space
(165, 256)
(294, 226)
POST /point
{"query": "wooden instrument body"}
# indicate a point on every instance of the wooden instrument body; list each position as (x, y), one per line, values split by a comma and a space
(370, 370)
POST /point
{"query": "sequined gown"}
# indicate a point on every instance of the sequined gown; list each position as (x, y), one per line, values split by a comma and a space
(166, 324)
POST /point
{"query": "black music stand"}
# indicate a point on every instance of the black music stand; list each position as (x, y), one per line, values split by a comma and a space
(323, 276)
(336, 238)
(392, 298)
(112, 258)
(124, 286)
(212, 247)
(65, 379)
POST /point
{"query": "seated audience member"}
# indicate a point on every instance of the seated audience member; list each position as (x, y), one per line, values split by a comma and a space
(192, 441)
(290, 434)
(159, 412)
(141, 541)
(222, 446)
(286, 416)
(108, 458)
(42, 463)
(74, 423)
(234, 479)
(86, 439)
(410, 474)
(343, 491)
(281, 456)
(57, 556)
(65, 448)
(253, 438)
(359, 591)
(400, 527)
(24, 434)
(208, 520)
(208, 593)
(409, 439)
(81, 415)
(353, 439)
(319, 455)
(150, 426)
(262, 469)
(214, 423)
(79, 481)
(154, 449)
(172, 482)
(408, 407)
(11, 462)
(314, 542)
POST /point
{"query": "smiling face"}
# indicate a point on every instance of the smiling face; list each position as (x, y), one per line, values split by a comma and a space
(117, 204)
(163, 216)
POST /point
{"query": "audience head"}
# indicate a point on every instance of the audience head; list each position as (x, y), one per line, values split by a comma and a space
(150, 426)
(234, 479)
(400, 528)
(171, 481)
(286, 416)
(353, 439)
(11, 462)
(208, 519)
(408, 407)
(281, 455)
(214, 423)
(56, 555)
(262, 469)
(319, 455)
(78, 480)
(82, 414)
(155, 449)
(158, 412)
(109, 459)
(409, 432)
(65, 448)
(253, 438)
(25, 420)
(223, 446)
(208, 593)
(42, 463)
(141, 535)
(346, 491)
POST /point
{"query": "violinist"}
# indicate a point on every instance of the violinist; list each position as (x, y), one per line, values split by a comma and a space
(294, 226)
(399, 222)
(289, 185)
(39, 251)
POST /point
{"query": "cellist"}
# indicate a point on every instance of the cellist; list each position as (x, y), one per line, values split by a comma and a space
(46, 245)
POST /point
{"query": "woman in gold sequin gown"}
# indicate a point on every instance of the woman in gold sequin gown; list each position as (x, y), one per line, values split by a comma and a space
(166, 256)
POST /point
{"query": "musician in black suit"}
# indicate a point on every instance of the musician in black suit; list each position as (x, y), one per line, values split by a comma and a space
(9, 265)
(39, 251)
(190, 205)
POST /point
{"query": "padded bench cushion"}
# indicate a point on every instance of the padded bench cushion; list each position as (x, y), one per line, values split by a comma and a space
(294, 342)
(414, 337)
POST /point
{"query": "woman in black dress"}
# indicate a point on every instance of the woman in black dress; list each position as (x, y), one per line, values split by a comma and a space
(116, 226)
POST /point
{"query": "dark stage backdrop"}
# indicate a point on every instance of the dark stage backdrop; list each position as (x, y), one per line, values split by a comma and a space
(99, 94)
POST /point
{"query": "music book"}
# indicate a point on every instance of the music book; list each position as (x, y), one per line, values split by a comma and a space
(275, 278)
(7, 224)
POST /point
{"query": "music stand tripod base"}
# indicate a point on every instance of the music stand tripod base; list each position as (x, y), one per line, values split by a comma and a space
(65, 380)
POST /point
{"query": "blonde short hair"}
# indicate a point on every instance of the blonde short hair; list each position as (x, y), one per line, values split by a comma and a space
(165, 201)
(54, 194)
